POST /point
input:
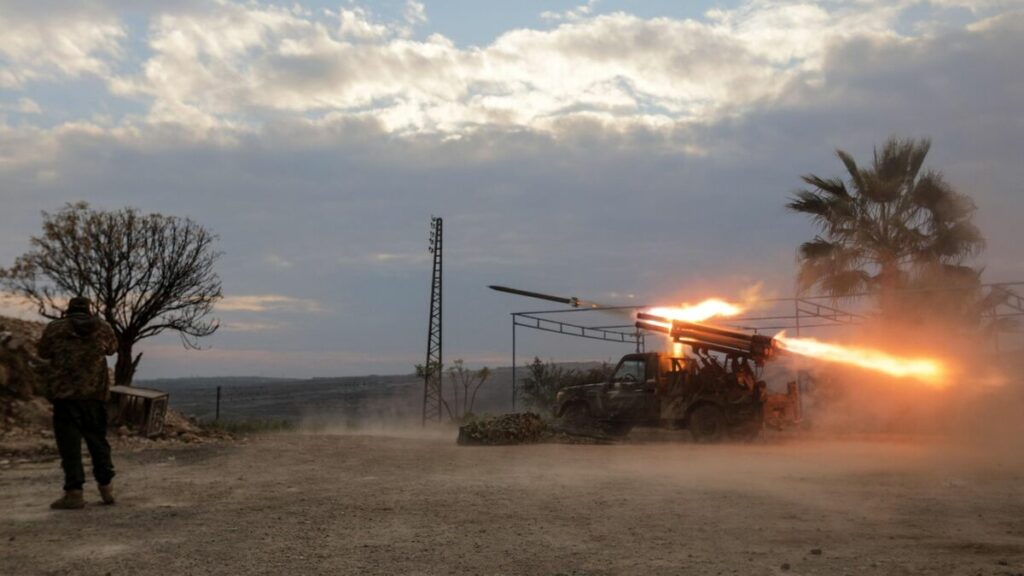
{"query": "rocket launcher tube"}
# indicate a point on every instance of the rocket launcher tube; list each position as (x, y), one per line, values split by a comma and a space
(756, 346)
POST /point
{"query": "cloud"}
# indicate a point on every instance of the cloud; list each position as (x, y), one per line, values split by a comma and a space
(230, 67)
(576, 13)
(24, 105)
(36, 46)
(241, 326)
(268, 303)
(164, 360)
(406, 258)
(357, 24)
(415, 13)
(277, 262)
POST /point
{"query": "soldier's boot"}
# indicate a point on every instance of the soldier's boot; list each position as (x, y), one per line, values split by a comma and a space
(71, 500)
(107, 493)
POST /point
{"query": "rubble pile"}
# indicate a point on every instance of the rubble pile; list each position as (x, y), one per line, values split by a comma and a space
(17, 350)
(523, 428)
(506, 429)
(181, 428)
(25, 428)
(27, 433)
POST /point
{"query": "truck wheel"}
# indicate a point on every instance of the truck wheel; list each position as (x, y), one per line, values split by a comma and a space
(576, 417)
(707, 424)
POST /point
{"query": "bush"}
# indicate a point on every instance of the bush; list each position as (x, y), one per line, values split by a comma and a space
(544, 381)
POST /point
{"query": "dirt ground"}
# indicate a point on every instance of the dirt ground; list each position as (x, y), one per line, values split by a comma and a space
(351, 504)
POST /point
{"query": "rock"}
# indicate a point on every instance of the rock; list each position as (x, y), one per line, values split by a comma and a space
(785, 566)
(816, 551)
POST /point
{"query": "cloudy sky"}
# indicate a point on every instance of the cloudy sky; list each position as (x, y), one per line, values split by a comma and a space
(619, 151)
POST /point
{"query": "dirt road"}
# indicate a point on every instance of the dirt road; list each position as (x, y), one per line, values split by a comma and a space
(320, 504)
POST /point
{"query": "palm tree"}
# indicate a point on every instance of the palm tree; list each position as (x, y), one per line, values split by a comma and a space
(888, 227)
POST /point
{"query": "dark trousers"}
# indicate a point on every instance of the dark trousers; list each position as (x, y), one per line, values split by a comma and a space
(74, 421)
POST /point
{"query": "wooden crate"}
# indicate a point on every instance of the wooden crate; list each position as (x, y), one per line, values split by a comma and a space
(141, 408)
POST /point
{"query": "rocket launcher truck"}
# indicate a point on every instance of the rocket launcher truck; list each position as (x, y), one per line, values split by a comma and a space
(715, 393)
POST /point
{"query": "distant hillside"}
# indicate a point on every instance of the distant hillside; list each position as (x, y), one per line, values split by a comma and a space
(214, 381)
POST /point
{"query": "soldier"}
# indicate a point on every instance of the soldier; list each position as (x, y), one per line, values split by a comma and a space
(77, 382)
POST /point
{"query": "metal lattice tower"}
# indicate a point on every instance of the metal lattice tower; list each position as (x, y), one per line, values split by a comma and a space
(432, 376)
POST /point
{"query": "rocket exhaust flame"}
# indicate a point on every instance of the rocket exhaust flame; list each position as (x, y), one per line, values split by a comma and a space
(927, 370)
(710, 308)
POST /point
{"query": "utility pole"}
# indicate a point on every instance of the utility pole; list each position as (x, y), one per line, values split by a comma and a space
(433, 375)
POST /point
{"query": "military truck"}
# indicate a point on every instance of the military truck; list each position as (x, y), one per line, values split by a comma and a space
(714, 393)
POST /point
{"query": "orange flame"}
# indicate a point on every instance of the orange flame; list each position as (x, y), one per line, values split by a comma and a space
(927, 370)
(710, 308)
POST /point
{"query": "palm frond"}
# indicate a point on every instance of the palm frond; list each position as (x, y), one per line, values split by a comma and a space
(831, 186)
(944, 205)
(918, 152)
(932, 193)
(817, 249)
(807, 202)
(846, 282)
(956, 241)
(851, 167)
(895, 167)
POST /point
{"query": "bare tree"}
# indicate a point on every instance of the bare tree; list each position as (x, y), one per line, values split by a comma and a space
(146, 273)
(469, 381)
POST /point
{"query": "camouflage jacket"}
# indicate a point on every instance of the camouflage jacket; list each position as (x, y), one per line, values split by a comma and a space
(74, 348)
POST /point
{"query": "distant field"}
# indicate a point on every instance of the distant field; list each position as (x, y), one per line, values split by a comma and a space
(348, 400)
(333, 399)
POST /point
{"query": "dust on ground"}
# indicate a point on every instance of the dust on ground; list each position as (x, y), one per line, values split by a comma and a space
(362, 504)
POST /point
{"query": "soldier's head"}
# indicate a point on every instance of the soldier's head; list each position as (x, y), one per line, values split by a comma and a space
(78, 305)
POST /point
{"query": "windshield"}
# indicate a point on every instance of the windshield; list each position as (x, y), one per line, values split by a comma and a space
(631, 371)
